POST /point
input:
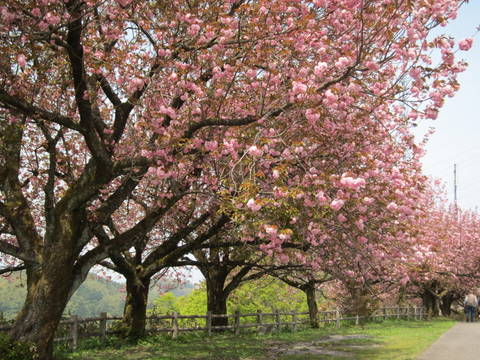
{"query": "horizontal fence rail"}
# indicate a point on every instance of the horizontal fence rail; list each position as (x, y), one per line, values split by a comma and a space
(74, 328)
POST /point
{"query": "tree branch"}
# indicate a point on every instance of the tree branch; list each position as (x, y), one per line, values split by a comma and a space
(16, 104)
(108, 91)
(154, 264)
(75, 55)
(14, 251)
(12, 269)
(236, 121)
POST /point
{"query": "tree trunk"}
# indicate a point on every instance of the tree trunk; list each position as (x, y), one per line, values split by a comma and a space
(217, 300)
(135, 310)
(312, 306)
(362, 303)
(446, 304)
(430, 302)
(218, 306)
(48, 291)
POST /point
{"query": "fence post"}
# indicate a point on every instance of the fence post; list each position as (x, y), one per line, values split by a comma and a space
(415, 315)
(337, 317)
(175, 325)
(74, 332)
(408, 312)
(103, 327)
(209, 323)
(237, 322)
(294, 320)
(277, 321)
(398, 312)
(357, 320)
(259, 322)
(385, 317)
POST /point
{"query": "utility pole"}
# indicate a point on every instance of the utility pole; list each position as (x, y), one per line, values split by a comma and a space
(455, 185)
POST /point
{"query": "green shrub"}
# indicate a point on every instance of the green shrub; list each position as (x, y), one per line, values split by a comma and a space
(119, 328)
(13, 350)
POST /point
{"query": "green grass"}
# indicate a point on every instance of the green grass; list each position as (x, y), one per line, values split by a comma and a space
(391, 340)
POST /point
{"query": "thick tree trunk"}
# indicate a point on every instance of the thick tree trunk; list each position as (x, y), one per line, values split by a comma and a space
(312, 306)
(217, 300)
(135, 310)
(48, 292)
(430, 302)
(446, 304)
(362, 303)
(217, 304)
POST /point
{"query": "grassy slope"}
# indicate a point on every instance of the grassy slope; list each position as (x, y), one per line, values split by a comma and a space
(387, 341)
(94, 296)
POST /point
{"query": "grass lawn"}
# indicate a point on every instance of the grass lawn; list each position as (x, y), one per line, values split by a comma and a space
(390, 340)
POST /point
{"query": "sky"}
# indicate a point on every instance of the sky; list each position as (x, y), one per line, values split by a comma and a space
(457, 135)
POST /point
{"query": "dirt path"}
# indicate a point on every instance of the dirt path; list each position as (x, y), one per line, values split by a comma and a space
(461, 342)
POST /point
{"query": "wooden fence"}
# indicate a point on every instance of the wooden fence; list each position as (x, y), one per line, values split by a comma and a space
(74, 328)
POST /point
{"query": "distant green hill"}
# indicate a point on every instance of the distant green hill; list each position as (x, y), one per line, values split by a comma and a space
(94, 296)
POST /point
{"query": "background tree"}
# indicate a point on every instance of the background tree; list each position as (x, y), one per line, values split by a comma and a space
(308, 282)
(446, 259)
(149, 257)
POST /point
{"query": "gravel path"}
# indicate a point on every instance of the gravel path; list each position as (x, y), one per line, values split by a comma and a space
(461, 342)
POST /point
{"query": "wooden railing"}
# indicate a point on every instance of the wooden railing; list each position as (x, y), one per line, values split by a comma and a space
(74, 328)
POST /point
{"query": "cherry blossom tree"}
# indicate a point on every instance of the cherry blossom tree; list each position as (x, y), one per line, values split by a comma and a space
(159, 251)
(101, 100)
(307, 281)
(446, 260)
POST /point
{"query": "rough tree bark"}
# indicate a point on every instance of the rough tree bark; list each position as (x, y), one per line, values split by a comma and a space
(135, 310)
(430, 303)
(217, 296)
(47, 295)
(312, 304)
(446, 303)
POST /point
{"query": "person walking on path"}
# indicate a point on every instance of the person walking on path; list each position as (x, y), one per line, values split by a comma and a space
(470, 303)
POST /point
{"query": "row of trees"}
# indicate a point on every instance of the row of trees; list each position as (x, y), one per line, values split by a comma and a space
(242, 137)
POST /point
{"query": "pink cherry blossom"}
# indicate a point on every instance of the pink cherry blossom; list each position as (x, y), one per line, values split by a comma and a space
(368, 200)
(253, 205)
(337, 204)
(283, 258)
(321, 198)
(392, 206)
(194, 29)
(36, 12)
(255, 151)
(299, 88)
(212, 146)
(21, 60)
(52, 19)
(465, 44)
(124, 3)
(320, 69)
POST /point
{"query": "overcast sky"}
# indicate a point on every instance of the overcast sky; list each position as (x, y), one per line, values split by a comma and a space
(457, 136)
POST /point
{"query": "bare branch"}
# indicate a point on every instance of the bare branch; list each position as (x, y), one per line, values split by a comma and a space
(12, 269)
(16, 104)
(14, 251)
(108, 91)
